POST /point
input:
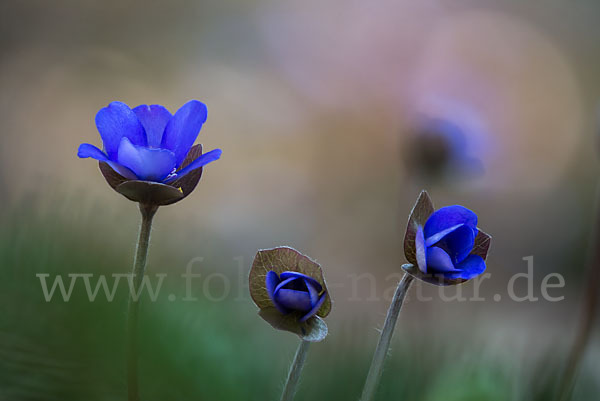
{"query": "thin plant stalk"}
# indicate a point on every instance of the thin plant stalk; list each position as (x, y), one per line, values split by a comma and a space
(383, 346)
(139, 268)
(291, 385)
(589, 310)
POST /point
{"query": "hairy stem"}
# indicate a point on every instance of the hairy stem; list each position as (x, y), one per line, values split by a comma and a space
(588, 313)
(291, 385)
(386, 338)
(139, 267)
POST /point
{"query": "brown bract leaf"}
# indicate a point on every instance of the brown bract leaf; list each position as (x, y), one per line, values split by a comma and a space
(155, 193)
(482, 244)
(313, 330)
(279, 260)
(418, 216)
(435, 279)
(113, 178)
(149, 193)
(190, 180)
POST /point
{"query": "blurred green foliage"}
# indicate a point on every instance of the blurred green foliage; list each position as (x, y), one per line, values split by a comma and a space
(208, 350)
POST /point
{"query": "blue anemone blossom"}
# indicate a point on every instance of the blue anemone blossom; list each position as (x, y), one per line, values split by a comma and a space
(148, 143)
(445, 245)
(292, 291)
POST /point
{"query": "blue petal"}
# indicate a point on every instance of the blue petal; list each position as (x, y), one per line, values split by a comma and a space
(448, 217)
(183, 129)
(196, 164)
(283, 283)
(147, 164)
(292, 299)
(115, 122)
(438, 261)
(87, 150)
(154, 118)
(459, 243)
(420, 250)
(314, 309)
(124, 171)
(312, 292)
(271, 281)
(314, 282)
(435, 238)
(471, 267)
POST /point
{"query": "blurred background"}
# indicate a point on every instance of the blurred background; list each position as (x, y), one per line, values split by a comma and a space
(332, 117)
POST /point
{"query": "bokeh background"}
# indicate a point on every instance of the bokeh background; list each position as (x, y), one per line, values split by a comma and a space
(332, 117)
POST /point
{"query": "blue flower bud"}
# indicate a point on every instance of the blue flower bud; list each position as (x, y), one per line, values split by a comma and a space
(290, 291)
(293, 291)
(444, 247)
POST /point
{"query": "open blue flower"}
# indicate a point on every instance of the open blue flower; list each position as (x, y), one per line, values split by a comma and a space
(147, 143)
(292, 291)
(444, 246)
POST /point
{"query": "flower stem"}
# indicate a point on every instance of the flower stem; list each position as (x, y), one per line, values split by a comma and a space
(139, 267)
(386, 337)
(291, 385)
(589, 311)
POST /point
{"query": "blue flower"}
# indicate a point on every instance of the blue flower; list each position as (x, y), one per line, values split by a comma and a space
(149, 144)
(436, 149)
(290, 292)
(293, 291)
(444, 247)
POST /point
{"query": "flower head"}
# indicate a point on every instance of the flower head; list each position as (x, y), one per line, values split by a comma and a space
(436, 149)
(148, 154)
(444, 247)
(290, 291)
(293, 291)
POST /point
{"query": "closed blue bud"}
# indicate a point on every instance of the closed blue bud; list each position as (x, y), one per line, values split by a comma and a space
(148, 154)
(446, 246)
(290, 292)
(293, 291)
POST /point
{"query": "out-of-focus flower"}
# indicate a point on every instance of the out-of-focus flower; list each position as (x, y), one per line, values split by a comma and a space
(444, 247)
(290, 291)
(148, 153)
(436, 149)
